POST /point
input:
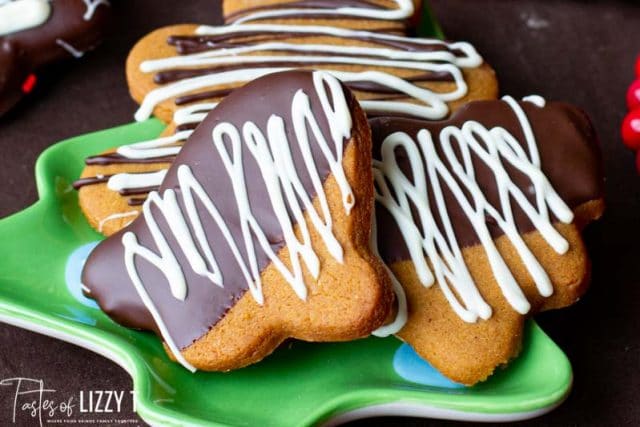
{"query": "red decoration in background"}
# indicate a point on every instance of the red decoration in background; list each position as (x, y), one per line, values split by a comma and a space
(29, 83)
(633, 95)
(631, 130)
(631, 124)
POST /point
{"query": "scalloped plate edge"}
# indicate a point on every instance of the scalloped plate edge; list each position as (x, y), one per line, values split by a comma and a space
(154, 418)
(417, 410)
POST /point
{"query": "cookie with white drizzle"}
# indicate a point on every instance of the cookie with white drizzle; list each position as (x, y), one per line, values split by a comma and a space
(399, 16)
(136, 170)
(185, 65)
(34, 33)
(422, 77)
(479, 220)
(279, 188)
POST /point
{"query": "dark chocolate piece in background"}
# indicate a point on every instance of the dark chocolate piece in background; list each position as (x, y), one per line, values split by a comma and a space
(25, 52)
(580, 52)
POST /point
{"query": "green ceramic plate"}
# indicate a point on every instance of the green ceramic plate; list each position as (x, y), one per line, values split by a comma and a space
(300, 384)
(43, 248)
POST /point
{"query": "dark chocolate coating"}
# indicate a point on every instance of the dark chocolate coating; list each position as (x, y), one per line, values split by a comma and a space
(24, 52)
(12, 75)
(105, 273)
(569, 153)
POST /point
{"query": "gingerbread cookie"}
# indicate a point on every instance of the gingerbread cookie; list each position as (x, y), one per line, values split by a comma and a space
(279, 187)
(390, 75)
(34, 33)
(397, 16)
(182, 65)
(479, 219)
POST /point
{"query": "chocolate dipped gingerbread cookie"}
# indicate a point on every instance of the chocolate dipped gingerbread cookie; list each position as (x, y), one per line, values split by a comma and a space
(34, 33)
(398, 16)
(479, 220)
(258, 232)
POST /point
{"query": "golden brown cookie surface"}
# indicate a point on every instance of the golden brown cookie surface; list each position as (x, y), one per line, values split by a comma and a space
(470, 352)
(259, 232)
(479, 219)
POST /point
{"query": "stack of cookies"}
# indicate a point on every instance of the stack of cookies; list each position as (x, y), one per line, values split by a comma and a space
(325, 177)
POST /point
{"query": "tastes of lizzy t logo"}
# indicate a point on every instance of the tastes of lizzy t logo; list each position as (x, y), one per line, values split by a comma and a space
(32, 399)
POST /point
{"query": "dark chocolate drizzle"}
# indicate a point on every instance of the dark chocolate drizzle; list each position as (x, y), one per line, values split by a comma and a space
(91, 180)
(244, 38)
(187, 126)
(241, 38)
(188, 99)
(138, 191)
(24, 52)
(173, 75)
(569, 154)
(372, 87)
(136, 201)
(115, 158)
(199, 43)
(101, 179)
(105, 273)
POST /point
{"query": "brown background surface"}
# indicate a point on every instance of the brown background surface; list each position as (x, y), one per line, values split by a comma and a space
(581, 52)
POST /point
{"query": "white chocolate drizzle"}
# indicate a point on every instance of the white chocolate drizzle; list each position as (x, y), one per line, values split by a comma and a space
(159, 147)
(404, 10)
(429, 56)
(193, 114)
(115, 216)
(127, 181)
(20, 15)
(495, 147)
(92, 5)
(431, 105)
(272, 153)
(169, 91)
(401, 298)
(72, 50)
